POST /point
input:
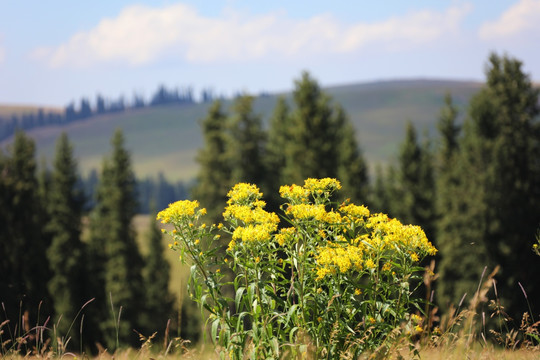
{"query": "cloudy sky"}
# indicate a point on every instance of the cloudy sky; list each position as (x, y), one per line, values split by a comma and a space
(56, 51)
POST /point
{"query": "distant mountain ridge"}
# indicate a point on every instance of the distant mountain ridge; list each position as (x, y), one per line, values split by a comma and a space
(166, 138)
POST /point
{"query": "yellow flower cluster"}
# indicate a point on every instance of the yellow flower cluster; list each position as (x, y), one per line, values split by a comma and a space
(344, 259)
(378, 235)
(182, 209)
(249, 214)
(245, 206)
(243, 193)
(296, 194)
(254, 232)
(285, 235)
(321, 185)
(387, 233)
(306, 211)
(354, 211)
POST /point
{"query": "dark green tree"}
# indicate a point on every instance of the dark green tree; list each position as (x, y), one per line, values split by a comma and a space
(498, 193)
(312, 149)
(352, 168)
(381, 196)
(158, 307)
(66, 252)
(25, 270)
(316, 140)
(246, 144)
(415, 201)
(276, 158)
(214, 178)
(114, 248)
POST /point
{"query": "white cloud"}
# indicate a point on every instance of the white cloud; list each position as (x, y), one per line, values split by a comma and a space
(141, 35)
(523, 17)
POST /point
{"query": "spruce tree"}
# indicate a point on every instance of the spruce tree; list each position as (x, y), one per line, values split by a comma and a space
(158, 304)
(416, 185)
(276, 158)
(26, 269)
(380, 197)
(246, 143)
(115, 249)
(214, 178)
(497, 197)
(312, 149)
(352, 168)
(66, 252)
(318, 141)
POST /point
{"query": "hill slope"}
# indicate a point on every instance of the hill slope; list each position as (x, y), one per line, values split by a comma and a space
(167, 138)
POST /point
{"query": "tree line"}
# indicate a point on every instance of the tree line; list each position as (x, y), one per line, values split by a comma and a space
(474, 189)
(85, 110)
(53, 276)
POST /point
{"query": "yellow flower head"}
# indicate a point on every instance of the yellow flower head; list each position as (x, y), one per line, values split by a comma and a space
(296, 194)
(318, 186)
(243, 193)
(179, 210)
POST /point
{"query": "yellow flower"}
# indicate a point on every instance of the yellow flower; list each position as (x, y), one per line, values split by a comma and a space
(294, 193)
(257, 259)
(220, 226)
(178, 210)
(354, 210)
(243, 193)
(418, 329)
(321, 185)
(197, 241)
(358, 292)
(369, 264)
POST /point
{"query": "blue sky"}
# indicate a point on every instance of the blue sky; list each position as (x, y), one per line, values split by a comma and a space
(56, 51)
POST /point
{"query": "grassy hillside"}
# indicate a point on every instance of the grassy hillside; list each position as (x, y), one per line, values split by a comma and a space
(166, 138)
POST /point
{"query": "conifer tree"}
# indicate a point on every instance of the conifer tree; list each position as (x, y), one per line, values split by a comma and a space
(415, 203)
(246, 143)
(313, 148)
(158, 308)
(317, 140)
(26, 268)
(276, 158)
(66, 252)
(352, 168)
(498, 194)
(214, 178)
(380, 197)
(115, 249)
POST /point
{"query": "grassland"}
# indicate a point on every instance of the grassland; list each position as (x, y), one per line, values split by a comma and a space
(166, 138)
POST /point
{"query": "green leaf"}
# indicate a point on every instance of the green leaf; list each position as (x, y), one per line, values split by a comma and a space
(238, 297)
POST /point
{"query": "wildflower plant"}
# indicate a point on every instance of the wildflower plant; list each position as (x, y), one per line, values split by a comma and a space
(335, 275)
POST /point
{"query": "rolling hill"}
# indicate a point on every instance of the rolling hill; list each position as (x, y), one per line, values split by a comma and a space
(166, 138)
